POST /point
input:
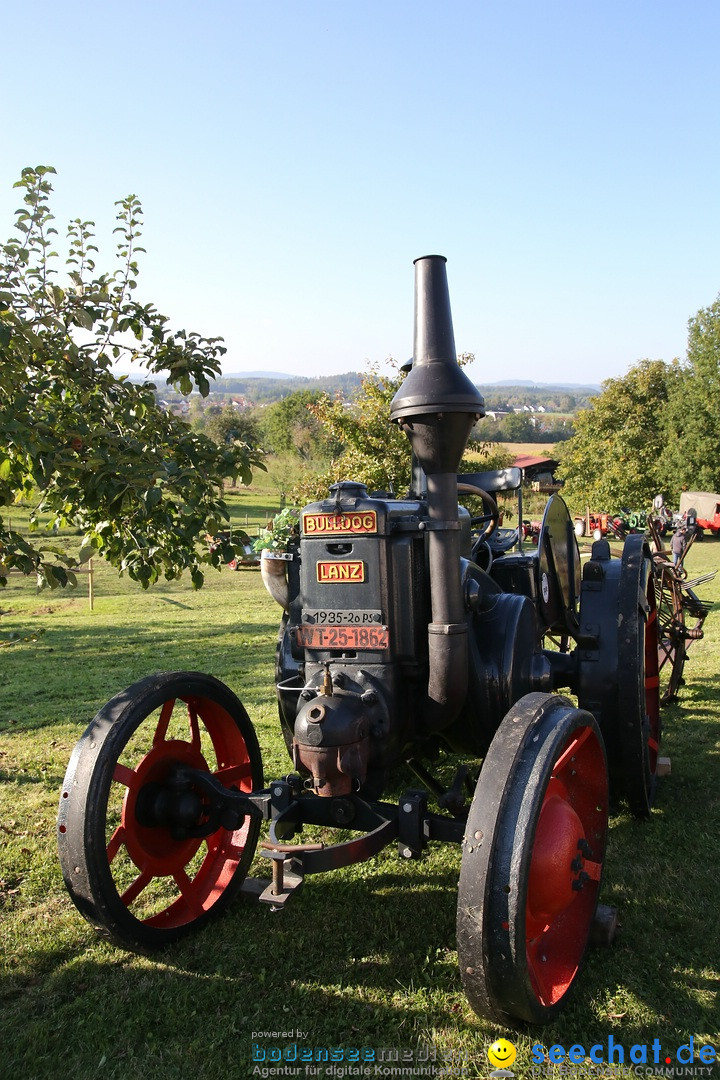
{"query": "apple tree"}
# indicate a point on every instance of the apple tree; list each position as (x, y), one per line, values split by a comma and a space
(86, 447)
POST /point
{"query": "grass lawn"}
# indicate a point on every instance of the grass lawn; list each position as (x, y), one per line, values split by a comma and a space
(362, 957)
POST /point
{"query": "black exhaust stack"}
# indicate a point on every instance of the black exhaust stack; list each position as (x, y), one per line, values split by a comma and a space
(436, 407)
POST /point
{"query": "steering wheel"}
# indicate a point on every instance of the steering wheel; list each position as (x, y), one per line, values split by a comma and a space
(489, 520)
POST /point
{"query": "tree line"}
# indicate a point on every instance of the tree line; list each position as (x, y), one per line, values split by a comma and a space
(263, 390)
(553, 399)
(655, 430)
(290, 423)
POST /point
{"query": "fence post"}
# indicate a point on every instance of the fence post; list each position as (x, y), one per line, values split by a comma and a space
(91, 591)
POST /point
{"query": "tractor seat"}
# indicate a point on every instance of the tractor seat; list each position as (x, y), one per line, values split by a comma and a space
(502, 540)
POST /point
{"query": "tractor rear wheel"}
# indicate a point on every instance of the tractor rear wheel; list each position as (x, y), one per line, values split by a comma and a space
(617, 672)
(140, 883)
(638, 716)
(532, 861)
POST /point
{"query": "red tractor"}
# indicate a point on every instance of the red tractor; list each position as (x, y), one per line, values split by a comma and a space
(595, 525)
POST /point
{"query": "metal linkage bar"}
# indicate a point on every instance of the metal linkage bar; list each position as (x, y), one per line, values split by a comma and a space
(289, 809)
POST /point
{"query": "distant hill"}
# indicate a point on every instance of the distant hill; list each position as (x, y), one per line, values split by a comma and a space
(283, 375)
(564, 398)
(584, 387)
(264, 388)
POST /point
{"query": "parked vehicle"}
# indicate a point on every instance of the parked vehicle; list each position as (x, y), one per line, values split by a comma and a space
(704, 506)
(662, 520)
(629, 521)
(236, 540)
(595, 525)
(619, 524)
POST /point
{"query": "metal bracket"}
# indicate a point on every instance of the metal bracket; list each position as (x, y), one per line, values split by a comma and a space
(413, 826)
(287, 871)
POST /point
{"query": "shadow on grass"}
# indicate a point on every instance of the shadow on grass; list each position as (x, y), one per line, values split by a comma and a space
(354, 963)
(43, 693)
(359, 958)
(24, 778)
(361, 963)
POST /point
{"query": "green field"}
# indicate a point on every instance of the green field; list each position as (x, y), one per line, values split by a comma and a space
(364, 957)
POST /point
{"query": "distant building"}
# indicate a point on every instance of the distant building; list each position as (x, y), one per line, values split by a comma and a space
(538, 472)
(177, 408)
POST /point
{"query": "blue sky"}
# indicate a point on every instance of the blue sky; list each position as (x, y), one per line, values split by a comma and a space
(293, 158)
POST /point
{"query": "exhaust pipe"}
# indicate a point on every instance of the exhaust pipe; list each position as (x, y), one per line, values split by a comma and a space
(436, 407)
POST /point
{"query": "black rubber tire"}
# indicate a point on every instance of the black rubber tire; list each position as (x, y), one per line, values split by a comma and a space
(511, 967)
(617, 667)
(95, 827)
(638, 718)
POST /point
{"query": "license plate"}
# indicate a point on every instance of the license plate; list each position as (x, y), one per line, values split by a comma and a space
(343, 637)
(335, 617)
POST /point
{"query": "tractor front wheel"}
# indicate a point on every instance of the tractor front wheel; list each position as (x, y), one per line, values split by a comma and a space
(132, 843)
(532, 861)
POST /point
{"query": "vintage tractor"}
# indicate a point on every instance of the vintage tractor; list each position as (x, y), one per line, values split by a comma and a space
(596, 525)
(411, 632)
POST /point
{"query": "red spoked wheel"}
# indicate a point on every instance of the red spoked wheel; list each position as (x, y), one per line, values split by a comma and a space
(532, 861)
(130, 837)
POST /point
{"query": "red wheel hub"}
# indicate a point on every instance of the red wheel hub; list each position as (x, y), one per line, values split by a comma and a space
(154, 849)
(556, 858)
(563, 878)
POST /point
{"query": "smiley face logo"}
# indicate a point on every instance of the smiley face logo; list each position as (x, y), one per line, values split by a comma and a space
(501, 1054)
